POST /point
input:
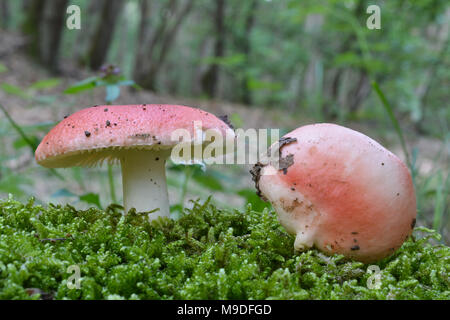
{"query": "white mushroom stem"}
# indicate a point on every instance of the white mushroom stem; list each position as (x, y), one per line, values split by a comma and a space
(144, 182)
(303, 240)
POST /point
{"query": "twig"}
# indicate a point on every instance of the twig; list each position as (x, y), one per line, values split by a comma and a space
(53, 239)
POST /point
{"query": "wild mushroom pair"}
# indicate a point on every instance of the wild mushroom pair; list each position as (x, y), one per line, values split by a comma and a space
(337, 189)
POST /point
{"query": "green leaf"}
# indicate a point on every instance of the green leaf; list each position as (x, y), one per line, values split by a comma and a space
(14, 90)
(11, 183)
(251, 197)
(347, 59)
(33, 145)
(255, 84)
(208, 181)
(3, 68)
(176, 208)
(86, 84)
(46, 84)
(228, 61)
(91, 198)
(236, 120)
(21, 142)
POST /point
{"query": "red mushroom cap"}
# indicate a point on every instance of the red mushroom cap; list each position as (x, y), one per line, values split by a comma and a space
(342, 192)
(95, 134)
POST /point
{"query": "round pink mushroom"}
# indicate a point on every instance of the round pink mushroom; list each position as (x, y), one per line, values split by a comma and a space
(139, 136)
(340, 191)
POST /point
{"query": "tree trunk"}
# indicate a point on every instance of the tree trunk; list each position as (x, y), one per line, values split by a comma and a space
(246, 49)
(202, 52)
(143, 36)
(156, 51)
(143, 24)
(50, 31)
(101, 40)
(362, 89)
(210, 77)
(44, 25)
(123, 42)
(81, 44)
(4, 17)
(30, 27)
(357, 96)
(25, 5)
(423, 90)
(171, 35)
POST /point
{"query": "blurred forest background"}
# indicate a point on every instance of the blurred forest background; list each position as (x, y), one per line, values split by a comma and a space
(265, 63)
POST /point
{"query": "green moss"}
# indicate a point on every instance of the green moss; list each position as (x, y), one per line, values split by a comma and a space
(207, 254)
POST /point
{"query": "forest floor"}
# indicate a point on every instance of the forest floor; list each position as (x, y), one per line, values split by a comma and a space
(50, 105)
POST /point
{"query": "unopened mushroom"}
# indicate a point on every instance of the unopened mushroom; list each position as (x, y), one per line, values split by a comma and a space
(139, 136)
(340, 191)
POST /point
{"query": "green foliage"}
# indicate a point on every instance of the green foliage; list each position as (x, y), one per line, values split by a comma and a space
(46, 84)
(14, 90)
(3, 68)
(31, 142)
(111, 80)
(89, 198)
(235, 60)
(11, 182)
(394, 121)
(83, 85)
(206, 254)
(30, 93)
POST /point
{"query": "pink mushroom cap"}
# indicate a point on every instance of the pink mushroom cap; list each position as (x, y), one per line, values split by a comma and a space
(341, 192)
(98, 133)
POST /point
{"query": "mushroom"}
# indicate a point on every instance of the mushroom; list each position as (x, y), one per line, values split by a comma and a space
(340, 191)
(139, 136)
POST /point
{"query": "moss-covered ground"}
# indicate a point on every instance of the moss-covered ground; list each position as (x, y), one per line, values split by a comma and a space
(206, 254)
